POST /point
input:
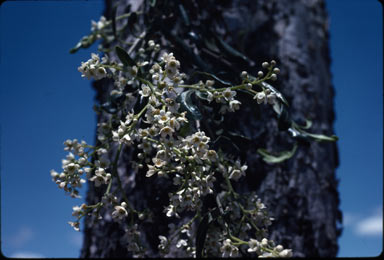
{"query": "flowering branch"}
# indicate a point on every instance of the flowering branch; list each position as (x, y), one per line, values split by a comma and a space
(166, 132)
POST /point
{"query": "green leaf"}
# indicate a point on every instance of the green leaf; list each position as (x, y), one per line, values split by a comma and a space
(279, 158)
(201, 234)
(184, 15)
(212, 76)
(319, 137)
(211, 45)
(277, 93)
(219, 205)
(228, 48)
(202, 95)
(239, 135)
(76, 48)
(132, 20)
(308, 124)
(85, 42)
(296, 131)
(152, 3)
(124, 57)
(186, 103)
(219, 132)
(227, 139)
(284, 119)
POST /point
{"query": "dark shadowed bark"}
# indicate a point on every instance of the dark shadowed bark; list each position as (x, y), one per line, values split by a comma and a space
(300, 193)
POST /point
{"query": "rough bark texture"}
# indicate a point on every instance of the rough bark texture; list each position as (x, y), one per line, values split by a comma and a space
(301, 193)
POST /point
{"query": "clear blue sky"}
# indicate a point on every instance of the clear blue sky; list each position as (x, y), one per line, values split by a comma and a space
(44, 101)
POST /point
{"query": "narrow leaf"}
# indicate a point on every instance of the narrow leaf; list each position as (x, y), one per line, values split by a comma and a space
(124, 57)
(239, 135)
(201, 234)
(233, 51)
(132, 19)
(187, 104)
(212, 76)
(184, 15)
(284, 119)
(273, 90)
(279, 158)
(319, 137)
(76, 48)
(152, 3)
(296, 131)
(308, 124)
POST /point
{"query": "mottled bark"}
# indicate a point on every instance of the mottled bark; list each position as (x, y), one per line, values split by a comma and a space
(301, 193)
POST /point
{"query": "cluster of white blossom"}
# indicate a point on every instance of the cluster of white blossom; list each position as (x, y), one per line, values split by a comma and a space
(92, 68)
(74, 166)
(167, 150)
(99, 25)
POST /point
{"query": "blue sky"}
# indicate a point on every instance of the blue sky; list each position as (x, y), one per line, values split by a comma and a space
(44, 101)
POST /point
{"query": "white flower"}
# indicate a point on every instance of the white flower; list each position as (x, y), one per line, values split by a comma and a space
(173, 123)
(71, 168)
(163, 117)
(234, 105)
(286, 253)
(229, 250)
(228, 94)
(54, 174)
(158, 162)
(151, 170)
(98, 25)
(163, 243)
(120, 212)
(211, 155)
(171, 211)
(92, 68)
(145, 91)
(76, 211)
(236, 174)
(264, 242)
(75, 225)
(126, 139)
(166, 131)
(260, 97)
(100, 177)
(181, 243)
(253, 245)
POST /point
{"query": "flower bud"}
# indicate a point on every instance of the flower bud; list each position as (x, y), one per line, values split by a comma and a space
(286, 253)
(279, 248)
(264, 242)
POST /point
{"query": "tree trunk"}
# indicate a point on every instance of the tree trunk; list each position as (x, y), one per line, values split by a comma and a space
(300, 193)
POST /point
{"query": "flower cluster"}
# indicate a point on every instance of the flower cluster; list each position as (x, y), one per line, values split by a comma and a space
(92, 68)
(149, 108)
(74, 166)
